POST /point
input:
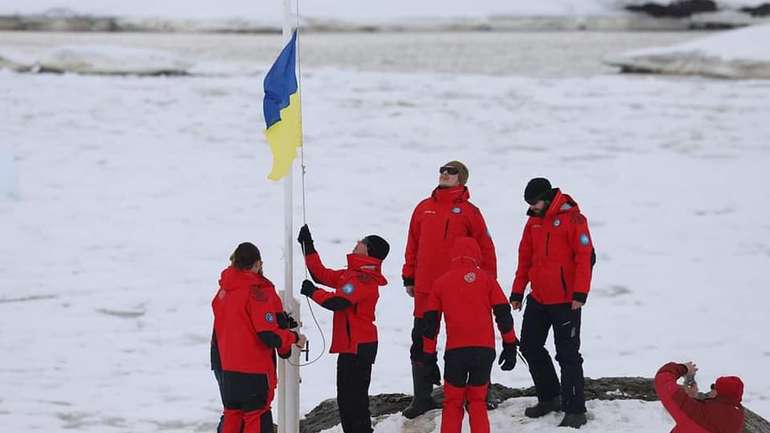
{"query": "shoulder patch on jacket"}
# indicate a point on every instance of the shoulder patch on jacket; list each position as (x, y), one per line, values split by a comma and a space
(258, 294)
(348, 289)
(364, 278)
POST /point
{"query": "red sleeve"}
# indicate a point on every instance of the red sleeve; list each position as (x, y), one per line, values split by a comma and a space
(525, 263)
(433, 305)
(502, 312)
(353, 291)
(263, 318)
(583, 247)
(412, 242)
(320, 273)
(480, 232)
(683, 408)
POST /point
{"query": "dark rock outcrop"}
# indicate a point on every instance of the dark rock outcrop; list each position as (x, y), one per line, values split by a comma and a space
(762, 10)
(324, 415)
(677, 9)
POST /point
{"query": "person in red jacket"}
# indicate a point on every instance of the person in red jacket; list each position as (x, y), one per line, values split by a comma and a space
(467, 296)
(719, 412)
(245, 340)
(354, 333)
(435, 224)
(556, 256)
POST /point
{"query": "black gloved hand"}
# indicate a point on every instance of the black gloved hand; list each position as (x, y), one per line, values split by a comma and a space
(305, 239)
(507, 358)
(285, 321)
(432, 372)
(308, 288)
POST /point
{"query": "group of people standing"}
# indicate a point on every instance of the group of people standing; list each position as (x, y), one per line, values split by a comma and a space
(450, 271)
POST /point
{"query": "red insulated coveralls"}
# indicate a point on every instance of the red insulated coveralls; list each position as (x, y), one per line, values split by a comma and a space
(722, 414)
(467, 296)
(556, 255)
(436, 222)
(245, 320)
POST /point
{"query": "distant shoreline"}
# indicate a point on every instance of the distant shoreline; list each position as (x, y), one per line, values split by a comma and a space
(71, 22)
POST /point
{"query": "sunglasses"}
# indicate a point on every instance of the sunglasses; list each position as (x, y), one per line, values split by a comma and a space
(449, 170)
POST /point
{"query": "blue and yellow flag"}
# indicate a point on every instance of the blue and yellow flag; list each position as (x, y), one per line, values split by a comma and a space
(282, 111)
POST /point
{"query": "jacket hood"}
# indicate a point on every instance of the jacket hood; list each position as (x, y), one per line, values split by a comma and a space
(561, 203)
(369, 265)
(466, 250)
(233, 278)
(454, 194)
(729, 388)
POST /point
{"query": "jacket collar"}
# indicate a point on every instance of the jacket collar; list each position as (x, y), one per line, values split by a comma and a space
(368, 265)
(454, 194)
(233, 278)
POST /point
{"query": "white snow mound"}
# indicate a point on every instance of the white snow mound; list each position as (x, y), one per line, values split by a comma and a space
(96, 59)
(730, 54)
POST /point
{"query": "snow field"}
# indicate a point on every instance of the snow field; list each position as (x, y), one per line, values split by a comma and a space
(133, 193)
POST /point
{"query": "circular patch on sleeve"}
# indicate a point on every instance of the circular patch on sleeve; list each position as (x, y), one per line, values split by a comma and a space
(456, 210)
(470, 277)
(556, 222)
(584, 240)
(269, 317)
(348, 289)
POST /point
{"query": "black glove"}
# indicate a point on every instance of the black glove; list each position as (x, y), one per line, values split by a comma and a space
(308, 288)
(285, 321)
(507, 358)
(432, 373)
(306, 240)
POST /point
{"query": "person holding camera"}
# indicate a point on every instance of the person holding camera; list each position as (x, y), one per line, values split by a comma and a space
(717, 411)
(250, 326)
(354, 332)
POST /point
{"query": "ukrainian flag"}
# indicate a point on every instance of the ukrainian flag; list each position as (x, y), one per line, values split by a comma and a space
(282, 110)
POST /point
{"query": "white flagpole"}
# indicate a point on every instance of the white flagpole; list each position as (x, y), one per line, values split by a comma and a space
(288, 372)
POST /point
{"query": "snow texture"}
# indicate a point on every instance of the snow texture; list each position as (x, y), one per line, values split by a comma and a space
(8, 182)
(136, 190)
(340, 9)
(730, 54)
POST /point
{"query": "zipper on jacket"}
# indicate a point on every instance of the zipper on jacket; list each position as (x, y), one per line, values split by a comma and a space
(446, 228)
(563, 280)
(347, 329)
(547, 241)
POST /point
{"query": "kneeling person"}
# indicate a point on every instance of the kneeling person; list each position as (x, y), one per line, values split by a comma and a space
(468, 296)
(354, 333)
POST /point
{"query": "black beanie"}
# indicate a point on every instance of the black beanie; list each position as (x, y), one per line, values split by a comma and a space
(537, 189)
(246, 255)
(377, 246)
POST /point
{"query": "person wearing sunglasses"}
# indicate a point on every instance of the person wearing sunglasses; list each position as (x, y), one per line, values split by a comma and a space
(556, 258)
(718, 411)
(354, 332)
(436, 223)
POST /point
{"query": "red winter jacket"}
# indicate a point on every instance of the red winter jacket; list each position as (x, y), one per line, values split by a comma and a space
(556, 255)
(722, 414)
(353, 302)
(467, 296)
(245, 323)
(436, 222)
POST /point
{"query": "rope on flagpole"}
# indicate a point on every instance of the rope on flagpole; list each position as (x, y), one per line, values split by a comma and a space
(304, 203)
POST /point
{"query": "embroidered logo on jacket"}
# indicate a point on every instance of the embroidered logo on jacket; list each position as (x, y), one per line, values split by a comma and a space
(456, 210)
(556, 222)
(584, 240)
(470, 277)
(269, 318)
(348, 289)
(258, 294)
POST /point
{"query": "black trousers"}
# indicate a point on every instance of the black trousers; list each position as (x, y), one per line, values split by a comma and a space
(470, 366)
(538, 320)
(354, 373)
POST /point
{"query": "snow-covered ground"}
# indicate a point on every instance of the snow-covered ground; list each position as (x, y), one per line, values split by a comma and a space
(340, 9)
(606, 416)
(730, 54)
(134, 191)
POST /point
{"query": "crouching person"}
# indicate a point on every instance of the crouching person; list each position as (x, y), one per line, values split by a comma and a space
(247, 335)
(354, 333)
(468, 297)
(719, 411)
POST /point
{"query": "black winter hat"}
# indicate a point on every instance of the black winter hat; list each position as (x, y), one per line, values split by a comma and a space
(536, 189)
(376, 246)
(246, 255)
